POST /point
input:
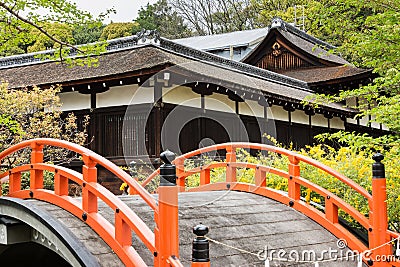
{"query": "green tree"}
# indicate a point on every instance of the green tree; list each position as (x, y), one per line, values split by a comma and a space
(34, 113)
(19, 18)
(268, 9)
(162, 17)
(60, 31)
(117, 29)
(87, 33)
(216, 16)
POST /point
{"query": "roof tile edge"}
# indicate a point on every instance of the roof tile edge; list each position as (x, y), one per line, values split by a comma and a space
(277, 22)
(249, 69)
(142, 37)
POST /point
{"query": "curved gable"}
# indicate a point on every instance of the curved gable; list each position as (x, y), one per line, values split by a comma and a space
(286, 48)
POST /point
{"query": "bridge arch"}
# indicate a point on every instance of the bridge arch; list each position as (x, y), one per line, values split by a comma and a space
(23, 223)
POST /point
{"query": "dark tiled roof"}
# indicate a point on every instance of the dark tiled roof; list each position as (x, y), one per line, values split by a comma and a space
(315, 75)
(313, 48)
(303, 41)
(279, 23)
(114, 63)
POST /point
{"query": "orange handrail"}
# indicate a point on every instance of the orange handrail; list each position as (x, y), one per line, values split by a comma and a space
(329, 218)
(269, 148)
(117, 236)
(93, 156)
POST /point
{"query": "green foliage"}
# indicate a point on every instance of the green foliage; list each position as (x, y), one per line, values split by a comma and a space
(268, 9)
(27, 114)
(87, 33)
(9, 125)
(163, 18)
(35, 113)
(62, 32)
(44, 24)
(141, 173)
(48, 182)
(117, 29)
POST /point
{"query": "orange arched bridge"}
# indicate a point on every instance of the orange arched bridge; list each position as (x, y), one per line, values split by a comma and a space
(102, 229)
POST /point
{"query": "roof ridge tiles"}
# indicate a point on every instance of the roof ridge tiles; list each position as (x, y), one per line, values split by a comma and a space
(249, 69)
(112, 45)
(277, 22)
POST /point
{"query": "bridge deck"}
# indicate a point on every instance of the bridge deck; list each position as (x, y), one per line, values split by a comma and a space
(239, 219)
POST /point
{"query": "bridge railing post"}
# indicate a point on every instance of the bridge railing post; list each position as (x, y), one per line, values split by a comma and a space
(200, 247)
(36, 176)
(378, 213)
(168, 230)
(294, 172)
(89, 173)
(230, 170)
(180, 168)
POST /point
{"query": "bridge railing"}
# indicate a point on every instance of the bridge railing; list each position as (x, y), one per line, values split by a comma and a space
(375, 223)
(117, 236)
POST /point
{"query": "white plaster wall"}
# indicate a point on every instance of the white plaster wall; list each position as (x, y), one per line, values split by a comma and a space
(277, 113)
(337, 123)
(298, 116)
(251, 108)
(319, 120)
(219, 102)
(74, 101)
(124, 95)
(364, 121)
(375, 124)
(351, 102)
(181, 95)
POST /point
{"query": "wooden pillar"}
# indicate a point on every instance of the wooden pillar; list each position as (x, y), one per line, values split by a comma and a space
(289, 108)
(237, 107)
(36, 178)
(310, 112)
(265, 126)
(94, 125)
(93, 101)
(328, 116)
(202, 123)
(357, 105)
(158, 117)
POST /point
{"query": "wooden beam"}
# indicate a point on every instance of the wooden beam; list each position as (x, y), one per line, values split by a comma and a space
(158, 118)
(93, 102)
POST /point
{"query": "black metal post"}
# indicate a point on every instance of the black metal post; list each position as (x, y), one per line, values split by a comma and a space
(167, 170)
(201, 245)
(378, 168)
